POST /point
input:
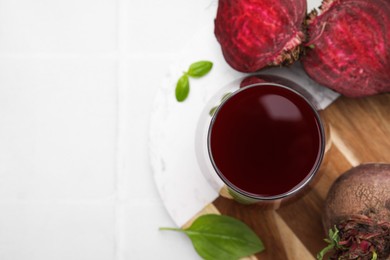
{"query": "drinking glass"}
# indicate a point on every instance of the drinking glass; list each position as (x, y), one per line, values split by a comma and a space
(261, 139)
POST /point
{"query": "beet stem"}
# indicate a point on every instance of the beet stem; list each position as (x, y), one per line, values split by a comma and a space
(317, 37)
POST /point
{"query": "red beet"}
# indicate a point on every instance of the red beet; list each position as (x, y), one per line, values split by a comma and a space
(251, 80)
(358, 204)
(254, 34)
(263, 78)
(350, 46)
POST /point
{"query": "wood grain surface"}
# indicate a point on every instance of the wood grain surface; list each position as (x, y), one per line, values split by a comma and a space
(360, 133)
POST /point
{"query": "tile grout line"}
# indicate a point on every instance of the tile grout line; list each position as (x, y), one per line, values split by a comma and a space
(112, 55)
(109, 200)
(122, 84)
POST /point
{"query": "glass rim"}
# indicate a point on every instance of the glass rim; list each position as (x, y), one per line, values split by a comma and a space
(304, 181)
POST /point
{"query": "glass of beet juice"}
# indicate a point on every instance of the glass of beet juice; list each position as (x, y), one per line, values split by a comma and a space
(266, 140)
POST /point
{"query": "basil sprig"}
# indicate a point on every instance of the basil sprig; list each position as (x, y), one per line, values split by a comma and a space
(182, 88)
(196, 70)
(199, 69)
(217, 237)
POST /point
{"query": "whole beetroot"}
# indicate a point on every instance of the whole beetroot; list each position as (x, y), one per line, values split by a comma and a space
(254, 34)
(350, 46)
(358, 206)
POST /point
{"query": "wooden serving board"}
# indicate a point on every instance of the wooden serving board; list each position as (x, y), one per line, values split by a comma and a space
(360, 133)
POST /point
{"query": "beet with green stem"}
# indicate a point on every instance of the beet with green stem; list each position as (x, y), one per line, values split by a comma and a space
(357, 213)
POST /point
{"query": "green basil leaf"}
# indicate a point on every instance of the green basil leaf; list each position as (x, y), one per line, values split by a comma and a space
(226, 96)
(182, 88)
(217, 237)
(213, 110)
(199, 69)
(223, 237)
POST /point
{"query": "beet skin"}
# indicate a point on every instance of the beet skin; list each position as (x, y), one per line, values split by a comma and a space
(358, 204)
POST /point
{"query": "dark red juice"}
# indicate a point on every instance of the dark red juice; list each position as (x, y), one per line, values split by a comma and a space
(265, 140)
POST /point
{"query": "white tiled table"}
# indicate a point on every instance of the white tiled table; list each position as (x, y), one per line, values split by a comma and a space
(77, 80)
